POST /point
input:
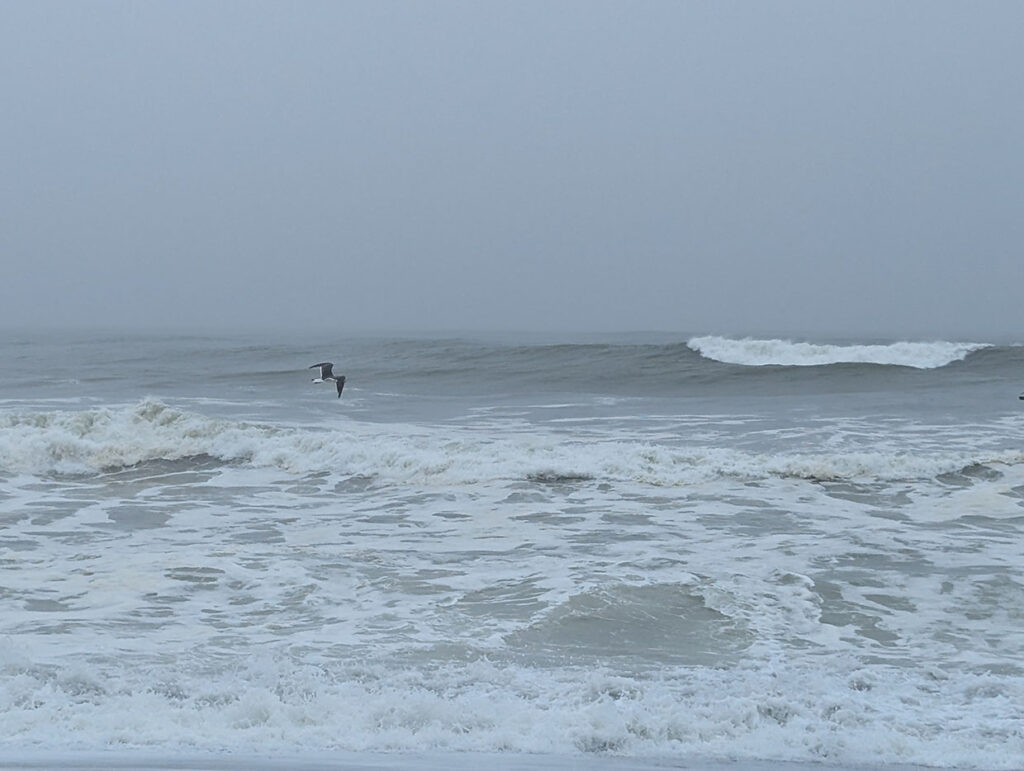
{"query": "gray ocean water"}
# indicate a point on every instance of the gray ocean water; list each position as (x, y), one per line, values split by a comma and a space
(643, 546)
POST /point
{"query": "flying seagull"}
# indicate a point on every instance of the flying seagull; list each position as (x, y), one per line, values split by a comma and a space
(327, 374)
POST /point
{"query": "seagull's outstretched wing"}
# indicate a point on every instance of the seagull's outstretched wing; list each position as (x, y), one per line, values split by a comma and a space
(341, 384)
(325, 369)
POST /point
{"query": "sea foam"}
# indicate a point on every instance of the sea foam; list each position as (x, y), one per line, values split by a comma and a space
(785, 712)
(751, 352)
(111, 438)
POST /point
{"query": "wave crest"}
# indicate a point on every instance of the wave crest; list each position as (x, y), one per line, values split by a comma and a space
(117, 437)
(755, 353)
(106, 439)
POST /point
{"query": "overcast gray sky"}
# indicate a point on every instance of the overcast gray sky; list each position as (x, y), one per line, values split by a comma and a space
(803, 168)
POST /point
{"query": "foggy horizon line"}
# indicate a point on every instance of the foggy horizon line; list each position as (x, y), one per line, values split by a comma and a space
(536, 335)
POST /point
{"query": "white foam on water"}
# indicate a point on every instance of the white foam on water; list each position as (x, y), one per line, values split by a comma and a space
(395, 587)
(751, 352)
(776, 711)
(101, 439)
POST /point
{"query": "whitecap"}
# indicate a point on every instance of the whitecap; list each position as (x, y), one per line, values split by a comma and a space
(757, 353)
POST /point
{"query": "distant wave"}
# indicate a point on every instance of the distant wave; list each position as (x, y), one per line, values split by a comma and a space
(787, 353)
(108, 439)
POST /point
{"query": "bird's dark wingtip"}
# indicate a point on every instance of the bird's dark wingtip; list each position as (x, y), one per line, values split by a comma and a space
(341, 384)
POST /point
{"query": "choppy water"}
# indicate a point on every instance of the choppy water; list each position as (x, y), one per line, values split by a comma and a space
(750, 549)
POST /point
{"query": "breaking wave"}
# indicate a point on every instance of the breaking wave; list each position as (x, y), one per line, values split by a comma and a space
(105, 439)
(578, 718)
(787, 353)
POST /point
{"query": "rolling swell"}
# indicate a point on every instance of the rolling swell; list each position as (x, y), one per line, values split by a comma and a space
(707, 366)
(460, 366)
